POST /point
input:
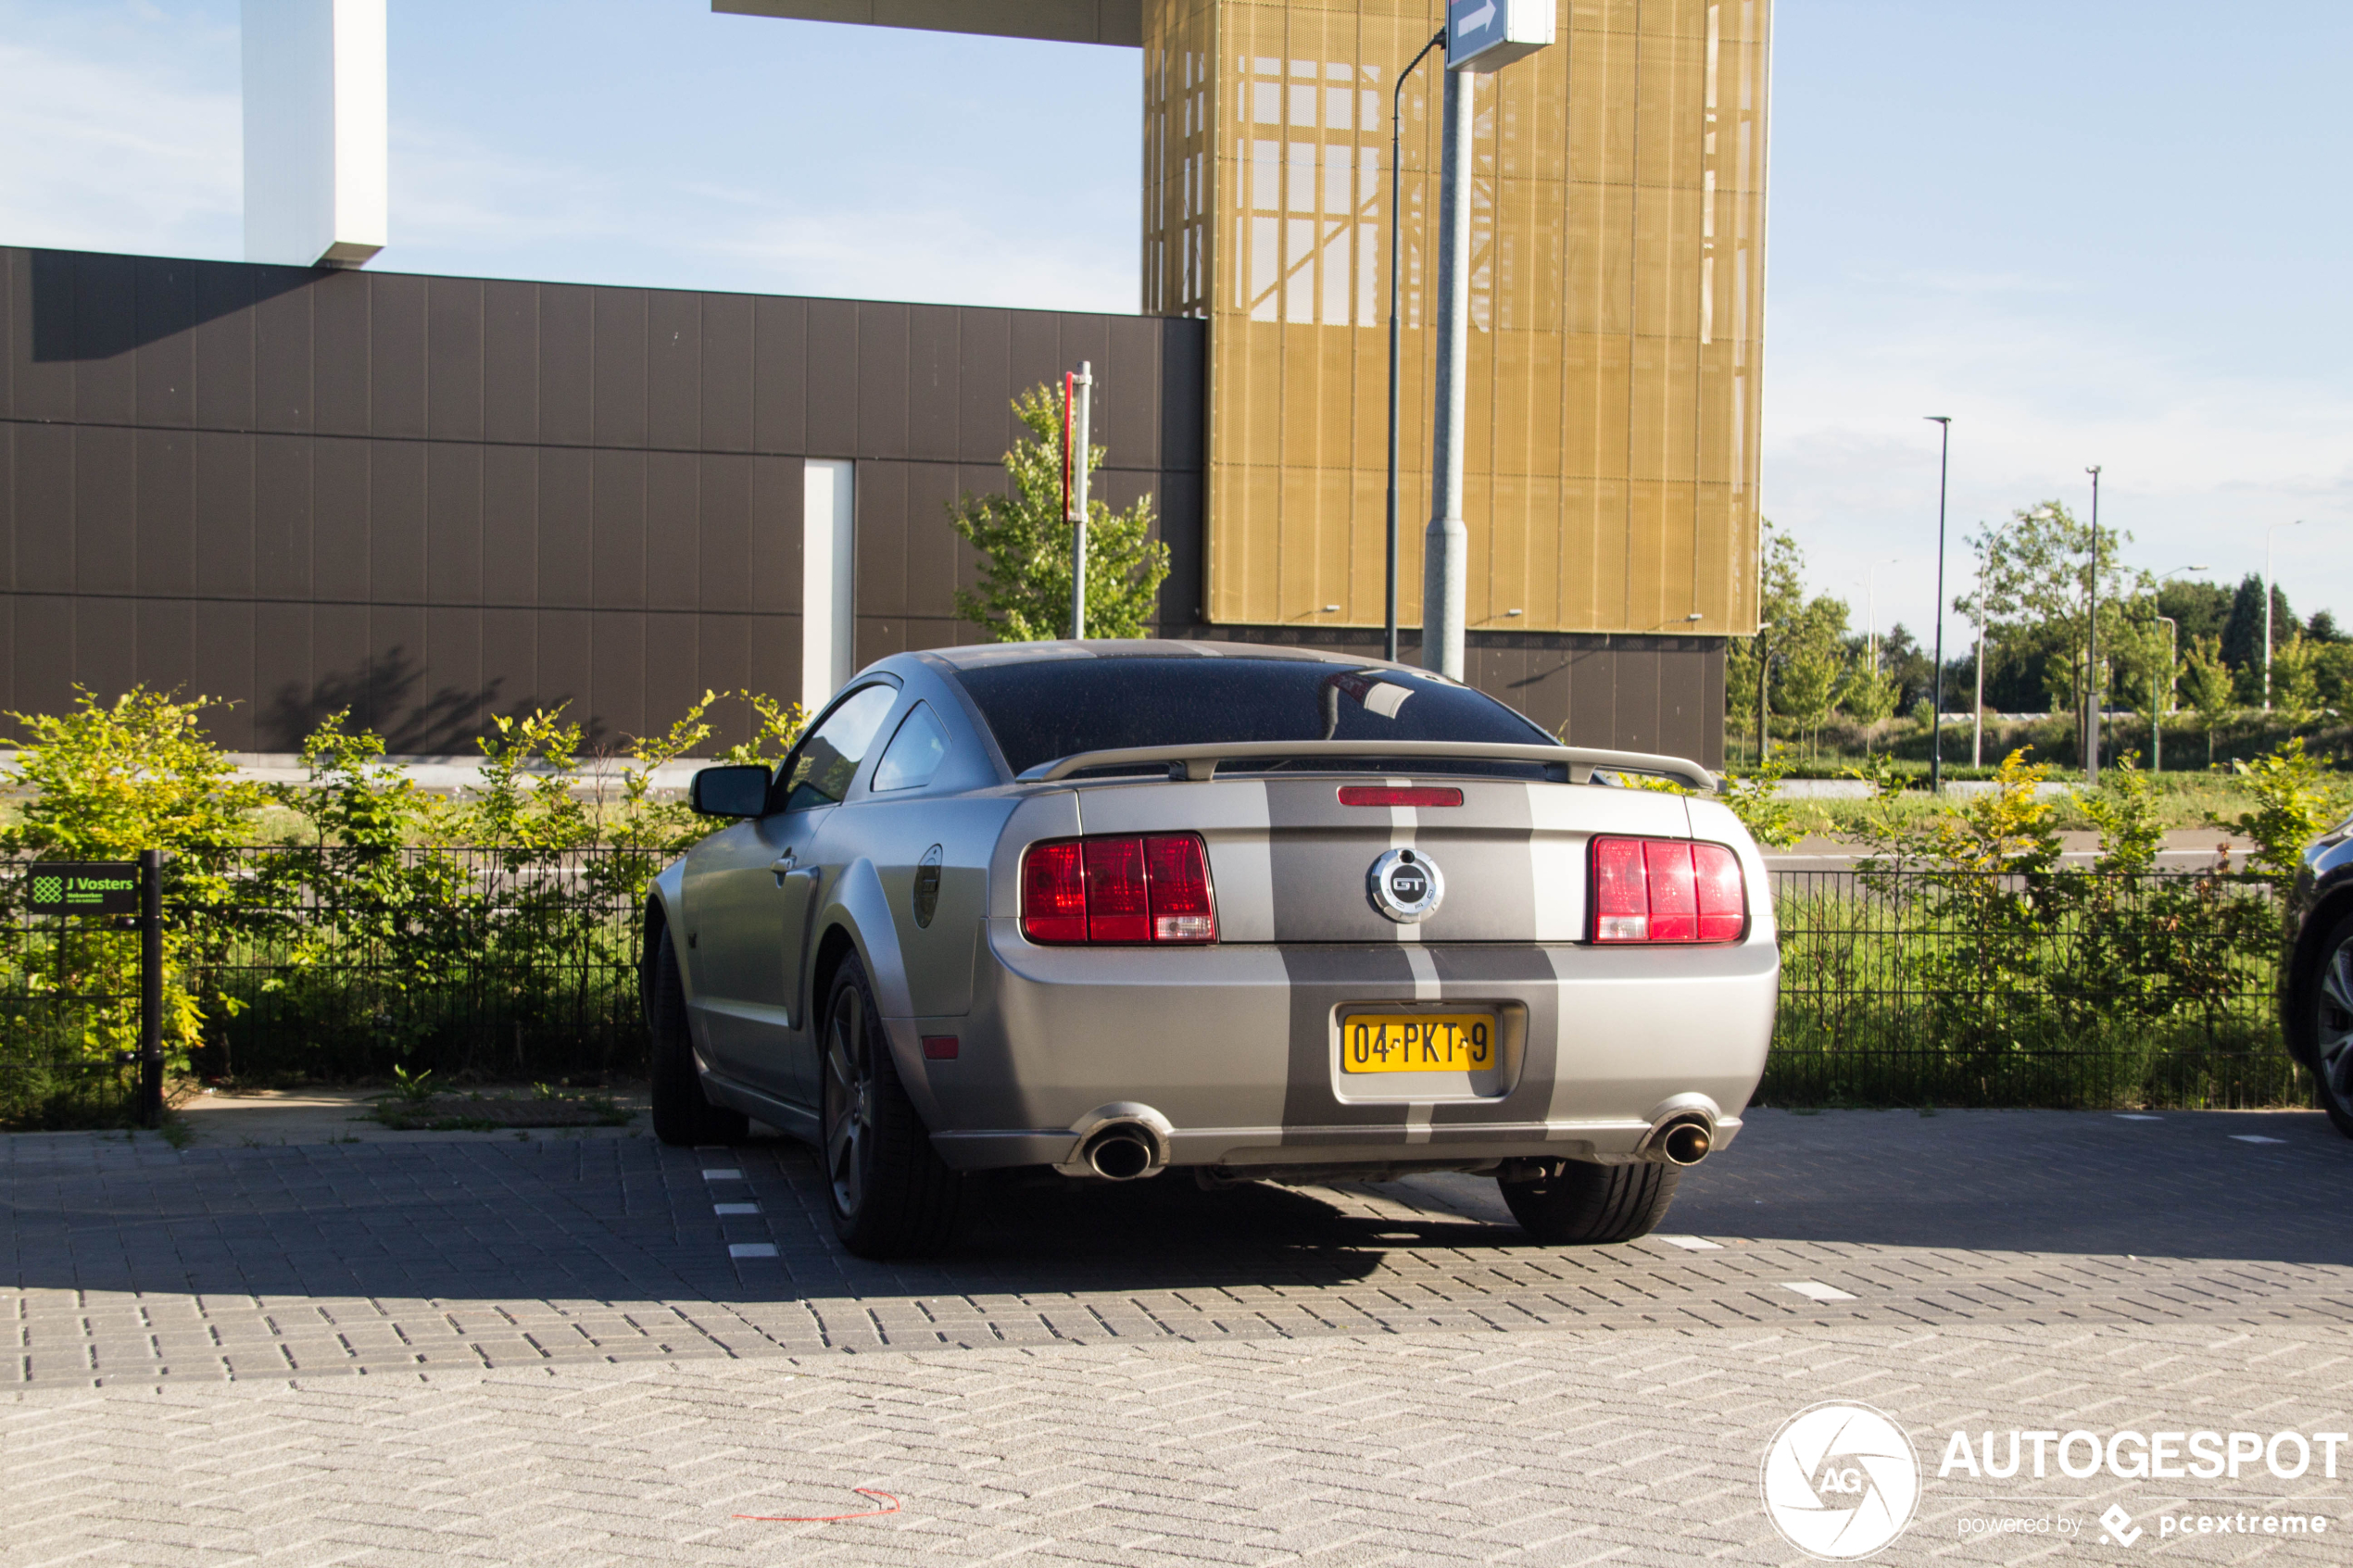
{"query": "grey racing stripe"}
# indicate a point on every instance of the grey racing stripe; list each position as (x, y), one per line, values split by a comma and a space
(1322, 978)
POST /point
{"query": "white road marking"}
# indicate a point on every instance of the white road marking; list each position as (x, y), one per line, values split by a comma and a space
(722, 1175)
(735, 1208)
(751, 1249)
(2254, 1137)
(1814, 1290)
(2132, 1116)
(1691, 1242)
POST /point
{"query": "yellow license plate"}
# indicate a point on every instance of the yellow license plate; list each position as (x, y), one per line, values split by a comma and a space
(1416, 1042)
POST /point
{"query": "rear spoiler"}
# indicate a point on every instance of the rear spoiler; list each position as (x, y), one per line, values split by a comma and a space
(1199, 762)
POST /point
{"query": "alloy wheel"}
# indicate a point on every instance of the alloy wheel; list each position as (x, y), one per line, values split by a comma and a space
(2333, 1024)
(850, 1100)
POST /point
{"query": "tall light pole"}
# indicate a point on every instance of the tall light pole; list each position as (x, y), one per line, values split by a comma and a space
(2266, 605)
(2092, 645)
(1479, 40)
(1396, 293)
(1943, 424)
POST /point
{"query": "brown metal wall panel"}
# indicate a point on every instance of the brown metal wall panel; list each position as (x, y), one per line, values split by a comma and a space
(282, 684)
(774, 577)
(105, 511)
(567, 364)
(105, 643)
(509, 360)
(510, 661)
(282, 511)
(620, 358)
(984, 345)
(1593, 698)
(722, 663)
(673, 531)
(43, 666)
(775, 655)
(673, 370)
(563, 636)
(510, 525)
(453, 358)
(165, 526)
(284, 338)
(396, 521)
(616, 709)
(1126, 404)
(931, 543)
(106, 329)
(618, 532)
(14, 329)
(395, 678)
(881, 532)
(42, 380)
(398, 344)
(1638, 704)
(166, 644)
(830, 373)
(339, 649)
(339, 521)
(673, 680)
(220, 664)
(220, 348)
(340, 376)
(881, 380)
(47, 534)
(1178, 506)
(724, 397)
(567, 568)
(1034, 358)
(931, 383)
(723, 524)
(164, 360)
(8, 703)
(780, 375)
(7, 512)
(448, 707)
(453, 524)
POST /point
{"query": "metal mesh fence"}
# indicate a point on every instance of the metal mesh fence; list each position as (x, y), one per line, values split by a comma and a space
(2056, 988)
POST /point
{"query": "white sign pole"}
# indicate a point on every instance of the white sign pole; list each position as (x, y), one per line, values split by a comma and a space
(1079, 457)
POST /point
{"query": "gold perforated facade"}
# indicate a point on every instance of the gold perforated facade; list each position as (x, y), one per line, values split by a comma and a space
(1616, 305)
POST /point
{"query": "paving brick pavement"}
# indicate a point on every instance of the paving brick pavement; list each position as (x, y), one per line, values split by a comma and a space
(387, 1352)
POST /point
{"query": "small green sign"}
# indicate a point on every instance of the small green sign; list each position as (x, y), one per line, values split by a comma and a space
(85, 887)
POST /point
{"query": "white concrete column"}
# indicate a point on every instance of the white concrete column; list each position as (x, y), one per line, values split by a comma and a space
(318, 155)
(828, 579)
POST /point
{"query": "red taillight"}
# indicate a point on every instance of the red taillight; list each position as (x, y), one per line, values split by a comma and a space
(1124, 888)
(1400, 795)
(1054, 898)
(1666, 890)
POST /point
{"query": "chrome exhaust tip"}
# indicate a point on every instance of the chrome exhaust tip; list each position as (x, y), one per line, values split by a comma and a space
(1683, 1141)
(1121, 1152)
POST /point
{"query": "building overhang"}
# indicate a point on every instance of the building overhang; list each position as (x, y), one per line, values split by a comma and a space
(1117, 22)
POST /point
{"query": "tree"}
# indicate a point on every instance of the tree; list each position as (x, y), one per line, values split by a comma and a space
(1781, 597)
(2206, 681)
(1810, 664)
(2242, 635)
(2039, 581)
(2295, 678)
(2201, 609)
(1024, 594)
(1867, 695)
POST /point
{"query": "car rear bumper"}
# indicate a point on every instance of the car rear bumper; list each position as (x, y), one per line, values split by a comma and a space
(1235, 1051)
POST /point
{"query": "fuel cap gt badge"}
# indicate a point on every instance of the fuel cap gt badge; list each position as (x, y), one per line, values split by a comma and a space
(1406, 886)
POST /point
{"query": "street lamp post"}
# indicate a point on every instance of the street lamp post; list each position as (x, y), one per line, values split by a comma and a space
(2266, 605)
(2092, 645)
(1396, 293)
(1937, 706)
(2160, 697)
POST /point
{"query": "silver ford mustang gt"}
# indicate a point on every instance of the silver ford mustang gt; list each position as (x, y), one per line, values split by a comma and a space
(1110, 907)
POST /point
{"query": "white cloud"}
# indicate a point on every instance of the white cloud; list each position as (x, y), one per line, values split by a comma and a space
(108, 142)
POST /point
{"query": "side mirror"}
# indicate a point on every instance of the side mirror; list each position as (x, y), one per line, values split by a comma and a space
(729, 792)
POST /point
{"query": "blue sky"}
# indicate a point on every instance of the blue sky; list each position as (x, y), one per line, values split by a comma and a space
(2093, 233)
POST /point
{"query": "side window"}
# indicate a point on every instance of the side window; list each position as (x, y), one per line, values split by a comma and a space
(828, 759)
(915, 754)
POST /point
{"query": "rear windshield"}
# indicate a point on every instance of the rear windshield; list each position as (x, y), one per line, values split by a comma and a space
(1046, 710)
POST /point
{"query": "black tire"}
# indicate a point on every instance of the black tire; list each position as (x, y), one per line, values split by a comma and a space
(890, 1193)
(682, 1115)
(1588, 1205)
(2326, 994)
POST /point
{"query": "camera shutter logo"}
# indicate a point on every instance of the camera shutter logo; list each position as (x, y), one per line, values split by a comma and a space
(1840, 1481)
